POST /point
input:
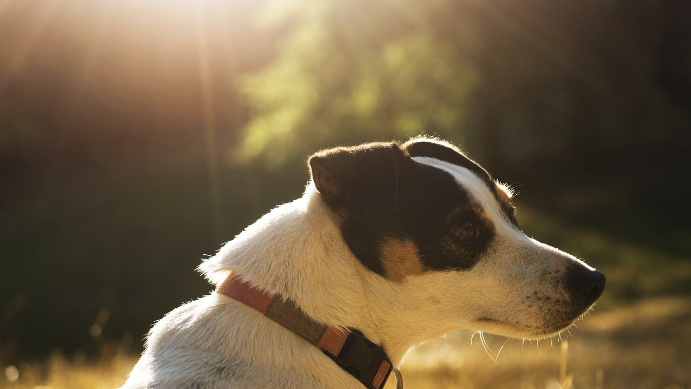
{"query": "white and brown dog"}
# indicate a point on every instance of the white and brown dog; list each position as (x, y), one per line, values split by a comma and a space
(391, 245)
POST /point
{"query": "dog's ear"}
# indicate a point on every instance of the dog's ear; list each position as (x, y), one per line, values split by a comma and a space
(363, 177)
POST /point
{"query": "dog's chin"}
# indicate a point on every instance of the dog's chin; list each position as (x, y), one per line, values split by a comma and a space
(519, 331)
(549, 332)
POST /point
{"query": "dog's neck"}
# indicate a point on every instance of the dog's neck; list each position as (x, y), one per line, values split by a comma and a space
(297, 251)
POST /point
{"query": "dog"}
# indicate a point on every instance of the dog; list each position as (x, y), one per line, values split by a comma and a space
(391, 245)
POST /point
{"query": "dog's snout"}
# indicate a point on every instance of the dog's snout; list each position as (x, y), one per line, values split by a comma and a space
(587, 285)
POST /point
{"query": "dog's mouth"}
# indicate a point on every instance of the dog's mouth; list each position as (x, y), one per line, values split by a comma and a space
(516, 329)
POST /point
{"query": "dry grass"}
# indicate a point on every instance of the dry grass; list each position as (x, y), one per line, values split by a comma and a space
(644, 345)
(60, 372)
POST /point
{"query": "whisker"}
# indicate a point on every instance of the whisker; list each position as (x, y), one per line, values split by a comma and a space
(486, 347)
(501, 348)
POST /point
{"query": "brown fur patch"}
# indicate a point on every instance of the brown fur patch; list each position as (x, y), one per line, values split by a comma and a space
(401, 258)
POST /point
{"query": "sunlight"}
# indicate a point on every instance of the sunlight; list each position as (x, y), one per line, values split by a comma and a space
(4, 5)
(163, 29)
(208, 114)
(93, 51)
(36, 27)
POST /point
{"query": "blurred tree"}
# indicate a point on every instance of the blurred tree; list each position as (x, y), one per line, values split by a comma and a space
(356, 71)
(516, 82)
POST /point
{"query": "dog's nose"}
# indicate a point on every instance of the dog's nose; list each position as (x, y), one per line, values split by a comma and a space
(587, 285)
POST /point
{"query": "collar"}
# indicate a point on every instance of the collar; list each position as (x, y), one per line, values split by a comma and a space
(353, 352)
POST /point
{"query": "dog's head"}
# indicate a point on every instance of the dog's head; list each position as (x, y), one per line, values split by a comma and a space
(425, 213)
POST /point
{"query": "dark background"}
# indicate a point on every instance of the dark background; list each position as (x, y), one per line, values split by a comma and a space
(138, 136)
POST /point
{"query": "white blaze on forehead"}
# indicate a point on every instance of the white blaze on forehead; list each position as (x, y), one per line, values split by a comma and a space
(474, 185)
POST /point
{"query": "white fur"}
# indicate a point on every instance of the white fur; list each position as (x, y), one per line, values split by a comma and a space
(297, 251)
(515, 268)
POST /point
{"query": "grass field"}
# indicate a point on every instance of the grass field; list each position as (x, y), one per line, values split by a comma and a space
(644, 345)
(638, 337)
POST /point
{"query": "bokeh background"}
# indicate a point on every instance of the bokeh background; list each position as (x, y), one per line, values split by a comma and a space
(136, 137)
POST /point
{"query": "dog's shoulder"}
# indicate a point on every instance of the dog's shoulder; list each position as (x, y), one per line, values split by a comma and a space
(217, 342)
(183, 349)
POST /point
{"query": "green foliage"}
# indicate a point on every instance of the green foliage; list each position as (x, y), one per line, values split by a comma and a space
(323, 92)
(514, 82)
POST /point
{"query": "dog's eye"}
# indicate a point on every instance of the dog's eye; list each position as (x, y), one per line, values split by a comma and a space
(466, 231)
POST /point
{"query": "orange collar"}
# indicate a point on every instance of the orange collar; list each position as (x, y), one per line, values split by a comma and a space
(350, 350)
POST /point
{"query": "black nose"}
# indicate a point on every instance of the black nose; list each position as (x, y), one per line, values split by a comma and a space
(587, 285)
